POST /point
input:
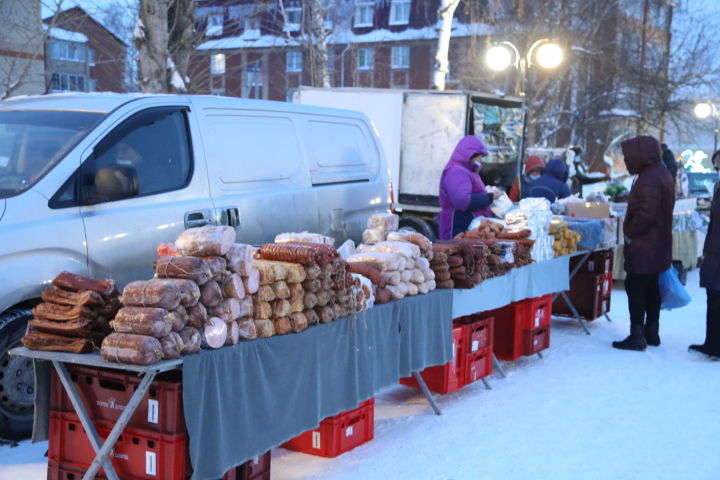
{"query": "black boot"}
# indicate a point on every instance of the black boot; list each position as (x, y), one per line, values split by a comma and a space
(703, 351)
(636, 340)
(652, 334)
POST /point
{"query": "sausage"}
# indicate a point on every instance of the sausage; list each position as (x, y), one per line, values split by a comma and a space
(76, 283)
(129, 348)
(368, 271)
(281, 290)
(171, 344)
(310, 300)
(52, 311)
(211, 294)
(298, 322)
(251, 282)
(191, 340)
(312, 285)
(208, 240)
(262, 310)
(167, 250)
(214, 334)
(240, 258)
(56, 343)
(197, 315)
(281, 308)
(227, 310)
(311, 316)
(312, 271)
(154, 322)
(233, 334)
(233, 287)
(247, 330)
(265, 328)
(68, 297)
(218, 267)
(189, 291)
(282, 325)
(152, 293)
(189, 268)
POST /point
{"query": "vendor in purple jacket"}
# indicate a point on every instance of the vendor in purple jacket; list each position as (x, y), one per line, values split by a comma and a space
(462, 192)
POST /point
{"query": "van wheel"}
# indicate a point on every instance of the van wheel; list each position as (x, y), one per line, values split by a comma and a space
(419, 225)
(17, 379)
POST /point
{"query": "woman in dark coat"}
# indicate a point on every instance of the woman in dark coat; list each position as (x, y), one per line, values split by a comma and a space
(648, 239)
(710, 279)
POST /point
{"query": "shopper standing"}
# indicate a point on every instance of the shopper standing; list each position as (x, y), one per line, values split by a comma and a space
(710, 278)
(552, 184)
(533, 170)
(648, 239)
(668, 158)
(462, 192)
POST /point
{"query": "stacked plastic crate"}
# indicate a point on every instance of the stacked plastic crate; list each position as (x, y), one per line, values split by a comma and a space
(522, 328)
(472, 337)
(591, 288)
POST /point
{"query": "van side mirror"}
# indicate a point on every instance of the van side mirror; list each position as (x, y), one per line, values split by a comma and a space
(113, 183)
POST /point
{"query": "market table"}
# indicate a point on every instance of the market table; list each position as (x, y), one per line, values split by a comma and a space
(258, 394)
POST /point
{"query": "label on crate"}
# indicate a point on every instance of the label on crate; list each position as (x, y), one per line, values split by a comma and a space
(475, 346)
(349, 431)
(538, 317)
(256, 460)
(454, 348)
(153, 411)
(316, 440)
(150, 464)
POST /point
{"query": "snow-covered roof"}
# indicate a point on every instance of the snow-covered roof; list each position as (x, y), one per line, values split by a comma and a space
(67, 35)
(619, 112)
(251, 40)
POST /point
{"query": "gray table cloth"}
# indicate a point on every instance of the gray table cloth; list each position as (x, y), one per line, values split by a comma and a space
(241, 401)
(530, 281)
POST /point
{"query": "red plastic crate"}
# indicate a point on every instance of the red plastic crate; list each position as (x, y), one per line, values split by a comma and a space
(138, 454)
(586, 294)
(255, 469)
(507, 338)
(538, 311)
(606, 284)
(58, 471)
(106, 392)
(537, 340)
(480, 334)
(338, 434)
(599, 262)
(451, 376)
(478, 365)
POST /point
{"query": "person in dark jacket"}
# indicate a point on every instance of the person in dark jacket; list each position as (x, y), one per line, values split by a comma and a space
(668, 158)
(710, 278)
(462, 192)
(533, 170)
(648, 239)
(552, 184)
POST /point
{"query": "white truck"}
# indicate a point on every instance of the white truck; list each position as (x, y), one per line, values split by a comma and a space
(419, 129)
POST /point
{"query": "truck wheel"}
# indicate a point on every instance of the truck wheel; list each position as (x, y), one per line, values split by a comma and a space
(419, 225)
(17, 379)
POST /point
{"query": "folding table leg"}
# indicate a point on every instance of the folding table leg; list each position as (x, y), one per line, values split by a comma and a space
(487, 385)
(608, 318)
(84, 418)
(498, 366)
(575, 312)
(540, 355)
(426, 392)
(119, 426)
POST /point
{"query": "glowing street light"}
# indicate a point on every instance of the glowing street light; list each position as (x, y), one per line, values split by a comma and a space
(549, 55)
(705, 110)
(499, 57)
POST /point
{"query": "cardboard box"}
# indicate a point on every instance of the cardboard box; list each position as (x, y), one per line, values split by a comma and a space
(587, 209)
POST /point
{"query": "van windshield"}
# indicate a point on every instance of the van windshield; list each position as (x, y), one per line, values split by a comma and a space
(32, 142)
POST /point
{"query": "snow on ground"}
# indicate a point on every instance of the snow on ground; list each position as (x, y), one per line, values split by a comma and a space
(584, 411)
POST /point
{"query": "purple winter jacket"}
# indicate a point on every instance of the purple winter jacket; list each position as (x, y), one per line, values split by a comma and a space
(462, 192)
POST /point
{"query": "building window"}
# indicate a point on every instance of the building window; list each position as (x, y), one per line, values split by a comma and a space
(92, 85)
(91, 57)
(293, 18)
(331, 60)
(294, 61)
(400, 12)
(217, 64)
(71, 52)
(365, 58)
(65, 82)
(364, 12)
(214, 25)
(400, 57)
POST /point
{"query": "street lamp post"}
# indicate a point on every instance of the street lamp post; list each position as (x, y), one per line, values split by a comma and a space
(544, 53)
(704, 110)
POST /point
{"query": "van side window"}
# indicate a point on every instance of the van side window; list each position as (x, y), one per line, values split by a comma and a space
(151, 149)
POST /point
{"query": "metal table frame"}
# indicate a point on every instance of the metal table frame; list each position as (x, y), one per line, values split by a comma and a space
(585, 256)
(102, 450)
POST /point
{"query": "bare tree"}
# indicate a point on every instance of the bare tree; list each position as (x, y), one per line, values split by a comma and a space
(446, 13)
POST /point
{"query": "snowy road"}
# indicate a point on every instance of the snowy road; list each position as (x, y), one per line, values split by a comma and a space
(586, 411)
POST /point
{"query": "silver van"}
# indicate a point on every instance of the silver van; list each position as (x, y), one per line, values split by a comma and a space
(91, 183)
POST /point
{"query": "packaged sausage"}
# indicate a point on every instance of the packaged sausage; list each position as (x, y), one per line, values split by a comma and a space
(211, 294)
(178, 318)
(412, 289)
(171, 344)
(413, 237)
(418, 276)
(392, 278)
(281, 290)
(227, 310)
(262, 310)
(214, 334)
(295, 272)
(130, 348)
(154, 322)
(189, 291)
(371, 236)
(325, 314)
(423, 288)
(311, 316)
(251, 282)
(310, 300)
(246, 307)
(246, 329)
(218, 267)
(266, 293)
(304, 237)
(312, 285)
(152, 293)
(197, 315)
(240, 259)
(189, 268)
(282, 326)
(312, 271)
(296, 291)
(298, 322)
(233, 334)
(406, 276)
(281, 308)
(264, 327)
(233, 287)
(382, 261)
(49, 342)
(445, 284)
(204, 241)
(384, 221)
(191, 340)
(397, 291)
(408, 250)
(167, 250)
(297, 305)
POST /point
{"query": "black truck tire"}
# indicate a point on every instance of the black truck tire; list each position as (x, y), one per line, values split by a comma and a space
(419, 225)
(17, 379)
